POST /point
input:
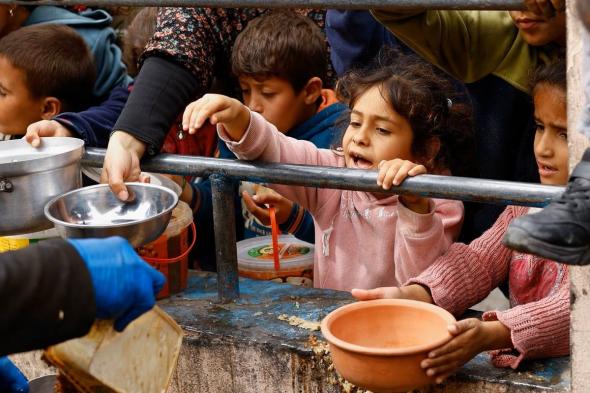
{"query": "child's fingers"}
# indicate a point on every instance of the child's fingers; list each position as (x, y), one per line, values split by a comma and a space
(451, 346)
(462, 326)
(260, 212)
(444, 369)
(441, 378)
(388, 179)
(417, 170)
(376, 293)
(403, 172)
(186, 115)
(439, 361)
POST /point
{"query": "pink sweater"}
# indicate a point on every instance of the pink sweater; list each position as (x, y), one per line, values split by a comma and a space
(361, 241)
(539, 319)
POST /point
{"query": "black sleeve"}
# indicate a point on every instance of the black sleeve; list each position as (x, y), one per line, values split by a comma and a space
(46, 295)
(161, 92)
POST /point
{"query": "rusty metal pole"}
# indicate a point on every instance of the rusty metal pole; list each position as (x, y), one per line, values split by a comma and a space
(224, 192)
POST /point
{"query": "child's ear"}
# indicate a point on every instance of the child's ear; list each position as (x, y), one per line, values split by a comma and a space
(313, 90)
(432, 149)
(51, 107)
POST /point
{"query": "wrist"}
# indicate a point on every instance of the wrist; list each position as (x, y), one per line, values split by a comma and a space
(417, 292)
(496, 336)
(128, 142)
(416, 204)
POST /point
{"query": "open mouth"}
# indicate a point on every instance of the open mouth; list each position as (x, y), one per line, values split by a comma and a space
(545, 169)
(359, 161)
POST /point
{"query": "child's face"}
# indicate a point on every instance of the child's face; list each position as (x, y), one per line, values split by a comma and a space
(17, 108)
(537, 30)
(376, 133)
(275, 99)
(551, 136)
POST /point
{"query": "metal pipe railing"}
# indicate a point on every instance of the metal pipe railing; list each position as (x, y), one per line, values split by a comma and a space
(324, 4)
(224, 172)
(446, 187)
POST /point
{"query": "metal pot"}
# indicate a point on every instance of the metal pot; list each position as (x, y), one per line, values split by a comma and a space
(30, 177)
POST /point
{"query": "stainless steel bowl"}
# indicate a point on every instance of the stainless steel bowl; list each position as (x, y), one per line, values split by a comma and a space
(96, 212)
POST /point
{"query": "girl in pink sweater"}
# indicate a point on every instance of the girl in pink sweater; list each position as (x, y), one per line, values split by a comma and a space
(537, 325)
(402, 124)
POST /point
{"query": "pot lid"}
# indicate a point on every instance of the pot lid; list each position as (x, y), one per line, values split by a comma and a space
(17, 157)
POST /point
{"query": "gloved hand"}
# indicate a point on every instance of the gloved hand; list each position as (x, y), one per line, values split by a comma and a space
(125, 286)
(11, 379)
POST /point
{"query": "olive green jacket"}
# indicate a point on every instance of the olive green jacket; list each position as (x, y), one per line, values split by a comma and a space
(470, 44)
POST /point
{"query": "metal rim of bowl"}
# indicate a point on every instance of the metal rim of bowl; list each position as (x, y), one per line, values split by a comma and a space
(332, 339)
(72, 225)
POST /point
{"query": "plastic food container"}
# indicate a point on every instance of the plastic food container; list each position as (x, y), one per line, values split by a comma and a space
(255, 260)
(170, 252)
(11, 243)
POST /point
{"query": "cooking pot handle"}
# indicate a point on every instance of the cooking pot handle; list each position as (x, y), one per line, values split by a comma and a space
(6, 185)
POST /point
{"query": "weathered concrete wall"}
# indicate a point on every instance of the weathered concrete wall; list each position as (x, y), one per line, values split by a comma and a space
(580, 276)
(250, 346)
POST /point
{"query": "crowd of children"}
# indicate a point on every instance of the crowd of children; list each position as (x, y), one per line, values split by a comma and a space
(258, 85)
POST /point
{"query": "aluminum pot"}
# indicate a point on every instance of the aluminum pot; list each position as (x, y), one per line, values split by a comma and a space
(30, 177)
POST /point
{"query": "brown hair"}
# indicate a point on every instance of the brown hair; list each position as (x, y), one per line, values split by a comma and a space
(136, 36)
(56, 62)
(429, 103)
(553, 74)
(281, 44)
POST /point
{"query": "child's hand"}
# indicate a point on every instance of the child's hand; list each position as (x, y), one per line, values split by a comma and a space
(410, 292)
(256, 205)
(470, 337)
(219, 109)
(43, 128)
(393, 172)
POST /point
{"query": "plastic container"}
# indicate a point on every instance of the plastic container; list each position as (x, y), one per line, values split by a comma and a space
(170, 252)
(255, 260)
(141, 359)
(16, 242)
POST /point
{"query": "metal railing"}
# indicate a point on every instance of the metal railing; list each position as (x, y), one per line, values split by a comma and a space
(321, 4)
(222, 172)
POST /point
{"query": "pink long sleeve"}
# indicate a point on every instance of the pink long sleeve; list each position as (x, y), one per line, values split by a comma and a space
(421, 238)
(538, 330)
(466, 274)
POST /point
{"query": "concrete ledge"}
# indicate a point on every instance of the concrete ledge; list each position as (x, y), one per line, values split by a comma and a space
(265, 342)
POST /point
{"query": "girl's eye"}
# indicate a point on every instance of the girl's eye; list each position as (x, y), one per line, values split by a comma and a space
(539, 127)
(383, 131)
(355, 124)
(562, 135)
(268, 94)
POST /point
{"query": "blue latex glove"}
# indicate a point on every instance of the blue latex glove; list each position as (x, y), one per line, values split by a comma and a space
(125, 286)
(11, 379)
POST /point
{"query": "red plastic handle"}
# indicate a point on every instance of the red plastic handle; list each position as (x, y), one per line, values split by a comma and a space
(275, 237)
(178, 258)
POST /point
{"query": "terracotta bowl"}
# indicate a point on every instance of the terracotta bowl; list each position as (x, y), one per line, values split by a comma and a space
(378, 345)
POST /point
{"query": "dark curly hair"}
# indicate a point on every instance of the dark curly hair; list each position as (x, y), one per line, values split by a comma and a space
(428, 101)
(553, 74)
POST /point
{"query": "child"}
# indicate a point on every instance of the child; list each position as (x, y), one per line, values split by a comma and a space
(537, 325)
(44, 70)
(403, 123)
(280, 62)
(493, 53)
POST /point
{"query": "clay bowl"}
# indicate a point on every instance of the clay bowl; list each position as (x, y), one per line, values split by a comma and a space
(378, 345)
